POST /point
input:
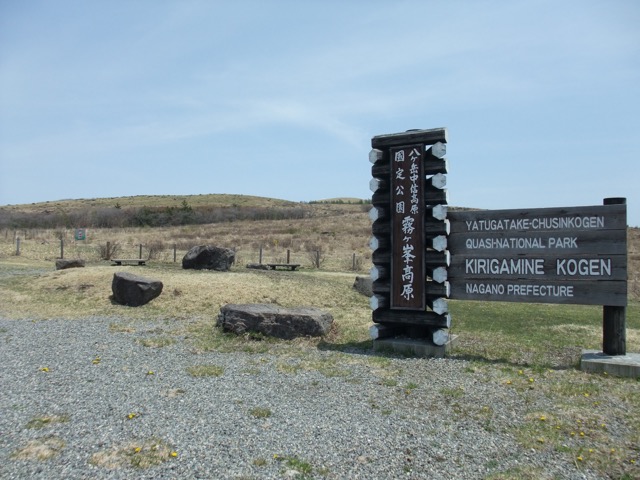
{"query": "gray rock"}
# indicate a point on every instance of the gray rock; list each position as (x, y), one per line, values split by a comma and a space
(62, 264)
(134, 290)
(364, 286)
(275, 321)
(257, 266)
(207, 257)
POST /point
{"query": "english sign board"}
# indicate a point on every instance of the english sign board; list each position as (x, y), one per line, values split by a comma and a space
(549, 255)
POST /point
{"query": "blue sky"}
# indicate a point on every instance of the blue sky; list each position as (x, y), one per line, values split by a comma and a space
(281, 98)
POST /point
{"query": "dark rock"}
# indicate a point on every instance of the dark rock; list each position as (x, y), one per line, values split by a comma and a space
(275, 321)
(134, 290)
(364, 286)
(207, 257)
(62, 264)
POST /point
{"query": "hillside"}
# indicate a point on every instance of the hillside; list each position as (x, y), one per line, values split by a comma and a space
(338, 227)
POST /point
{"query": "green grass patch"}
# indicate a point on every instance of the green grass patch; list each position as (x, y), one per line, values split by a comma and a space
(295, 467)
(532, 334)
(46, 420)
(157, 342)
(260, 412)
(206, 370)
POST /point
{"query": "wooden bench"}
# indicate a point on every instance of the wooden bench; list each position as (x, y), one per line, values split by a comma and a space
(130, 261)
(288, 266)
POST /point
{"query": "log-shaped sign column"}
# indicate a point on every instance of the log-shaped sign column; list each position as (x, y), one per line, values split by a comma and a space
(409, 229)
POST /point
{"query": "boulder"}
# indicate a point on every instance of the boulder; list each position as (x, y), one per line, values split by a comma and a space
(364, 286)
(275, 321)
(207, 257)
(62, 264)
(134, 290)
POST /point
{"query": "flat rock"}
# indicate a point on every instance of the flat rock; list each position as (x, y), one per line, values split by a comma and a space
(257, 266)
(62, 264)
(134, 290)
(275, 321)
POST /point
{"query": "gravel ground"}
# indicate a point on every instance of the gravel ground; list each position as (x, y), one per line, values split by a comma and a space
(361, 417)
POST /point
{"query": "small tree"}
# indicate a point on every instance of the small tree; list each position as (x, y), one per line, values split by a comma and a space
(109, 250)
(316, 255)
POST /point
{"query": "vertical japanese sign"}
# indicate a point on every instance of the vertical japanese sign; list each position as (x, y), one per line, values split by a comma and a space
(81, 234)
(408, 274)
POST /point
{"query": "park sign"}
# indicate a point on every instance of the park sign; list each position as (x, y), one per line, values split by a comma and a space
(409, 227)
(573, 255)
(80, 234)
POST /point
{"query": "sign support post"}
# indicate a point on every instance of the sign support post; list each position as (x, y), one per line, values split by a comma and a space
(614, 318)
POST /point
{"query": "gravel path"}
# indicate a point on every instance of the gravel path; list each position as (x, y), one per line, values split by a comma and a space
(322, 414)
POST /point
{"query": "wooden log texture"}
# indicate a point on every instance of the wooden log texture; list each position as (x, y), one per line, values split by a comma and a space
(438, 305)
(440, 337)
(438, 274)
(432, 228)
(439, 212)
(432, 196)
(377, 302)
(437, 151)
(408, 317)
(615, 218)
(376, 155)
(379, 330)
(430, 167)
(432, 258)
(428, 137)
(433, 289)
(439, 243)
(438, 181)
(614, 334)
(378, 213)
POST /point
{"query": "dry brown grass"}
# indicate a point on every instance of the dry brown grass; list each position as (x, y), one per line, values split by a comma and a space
(338, 231)
(142, 454)
(188, 296)
(207, 200)
(40, 449)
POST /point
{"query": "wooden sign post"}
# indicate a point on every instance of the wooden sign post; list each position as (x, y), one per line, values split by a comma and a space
(614, 317)
(409, 243)
(570, 255)
(423, 255)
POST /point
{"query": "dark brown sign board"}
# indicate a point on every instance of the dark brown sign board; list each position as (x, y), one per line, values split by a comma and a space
(572, 255)
(407, 223)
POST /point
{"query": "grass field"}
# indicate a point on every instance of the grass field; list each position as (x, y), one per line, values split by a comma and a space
(524, 346)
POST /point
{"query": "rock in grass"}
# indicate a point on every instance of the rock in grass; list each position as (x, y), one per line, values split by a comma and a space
(134, 290)
(364, 286)
(275, 321)
(207, 257)
(62, 264)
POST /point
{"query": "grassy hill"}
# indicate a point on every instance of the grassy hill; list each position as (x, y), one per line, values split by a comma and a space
(337, 227)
